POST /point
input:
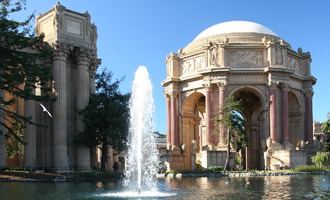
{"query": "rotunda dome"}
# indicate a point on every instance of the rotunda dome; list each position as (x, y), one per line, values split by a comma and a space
(235, 27)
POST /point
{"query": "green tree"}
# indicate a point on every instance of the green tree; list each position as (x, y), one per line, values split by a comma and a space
(233, 122)
(105, 117)
(326, 130)
(159, 135)
(19, 66)
(13, 142)
(321, 159)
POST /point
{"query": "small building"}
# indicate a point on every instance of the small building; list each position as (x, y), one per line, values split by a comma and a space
(252, 63)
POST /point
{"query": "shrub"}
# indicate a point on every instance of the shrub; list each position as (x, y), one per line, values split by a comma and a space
(199, 164)
(321, 159)
(239, 159)
(306, 168)
(216, 168)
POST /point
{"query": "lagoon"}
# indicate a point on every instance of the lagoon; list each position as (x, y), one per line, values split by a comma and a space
(278, 187)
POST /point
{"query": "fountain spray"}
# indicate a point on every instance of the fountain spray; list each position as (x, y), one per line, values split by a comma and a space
(143, 161)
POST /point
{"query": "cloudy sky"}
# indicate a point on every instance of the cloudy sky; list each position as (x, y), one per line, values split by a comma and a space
(140, 32)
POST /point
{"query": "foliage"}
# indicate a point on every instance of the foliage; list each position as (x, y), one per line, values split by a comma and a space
(198, 164)
(239, 159)
(307, 168)
(234, 123)
(19, 67)
(13, 144)
(159, 135)
(216, 168)
(321, 159)
(327, 146)
(105, 117)
(326, 125)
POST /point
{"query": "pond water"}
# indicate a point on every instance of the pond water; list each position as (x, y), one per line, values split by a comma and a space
(278, 187)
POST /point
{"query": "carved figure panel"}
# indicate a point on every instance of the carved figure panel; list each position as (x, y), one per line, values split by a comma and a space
(193, 65)
(293, 64)
(245, 58)
(279, 56)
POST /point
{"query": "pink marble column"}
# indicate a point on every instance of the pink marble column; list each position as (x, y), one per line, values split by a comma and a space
(208, 110)
(309, 115)
(285, 113)
(222, 97)
(168, 119)
(174, 121)
(272, 111)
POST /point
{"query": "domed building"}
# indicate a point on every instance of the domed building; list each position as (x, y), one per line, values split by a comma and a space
(252, 63)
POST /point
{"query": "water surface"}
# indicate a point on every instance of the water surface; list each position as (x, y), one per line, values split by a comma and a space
(281, 187)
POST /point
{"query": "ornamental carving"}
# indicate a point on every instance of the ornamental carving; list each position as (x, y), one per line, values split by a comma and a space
(58, 19)
(279, 55)
(272, 85)
(285, 86)
(61, 50)
(82, 55)
(213, 53)
(245, 58)
(309, 92)
(293, 64)
(222, 85)
(193, 65)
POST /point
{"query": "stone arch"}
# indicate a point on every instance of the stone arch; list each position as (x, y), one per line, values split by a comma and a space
(254, 90)
(190, 101)
(296, 133)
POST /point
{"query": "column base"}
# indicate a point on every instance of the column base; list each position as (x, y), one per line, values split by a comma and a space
(287, 145)
(276, 146)
(311, 151)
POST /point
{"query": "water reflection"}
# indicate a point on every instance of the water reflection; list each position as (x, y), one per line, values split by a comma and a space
(282, 187)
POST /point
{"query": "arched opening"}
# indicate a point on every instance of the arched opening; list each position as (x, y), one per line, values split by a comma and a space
(295, 119)
(252, 107)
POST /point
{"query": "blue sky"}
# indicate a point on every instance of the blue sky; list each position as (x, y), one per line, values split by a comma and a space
(139, 32)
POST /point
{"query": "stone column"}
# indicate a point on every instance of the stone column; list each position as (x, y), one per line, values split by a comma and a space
(222, 96)
(208, 110)
(285, 117)
(273, 114)
(60, 53)
(309, 115)
(3, 161)
(174, 119)
(168, 118)
(30, 135)
(82, 91)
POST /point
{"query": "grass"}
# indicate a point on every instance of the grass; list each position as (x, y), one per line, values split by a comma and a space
(309, 168)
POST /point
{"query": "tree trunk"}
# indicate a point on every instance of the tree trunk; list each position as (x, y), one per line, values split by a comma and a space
(228, 153)
(104, 156)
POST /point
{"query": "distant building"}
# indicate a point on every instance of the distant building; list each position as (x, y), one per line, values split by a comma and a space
(251, 62)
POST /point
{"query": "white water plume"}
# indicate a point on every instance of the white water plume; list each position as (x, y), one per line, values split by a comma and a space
(143, 161)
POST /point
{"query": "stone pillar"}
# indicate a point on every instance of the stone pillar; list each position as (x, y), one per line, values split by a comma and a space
(208, 110)
(30, 135)
(309, 115)
(3, 161)
(168, 118)
(222, 96)
(60, 53)
(273, 114)
(174, 120)
(82, 91)
(285, 117)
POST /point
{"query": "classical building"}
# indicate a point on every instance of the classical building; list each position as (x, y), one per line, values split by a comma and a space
(72, 38)
(252, 63)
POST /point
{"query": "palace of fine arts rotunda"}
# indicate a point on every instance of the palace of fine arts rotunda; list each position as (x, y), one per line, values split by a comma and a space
(252, 63)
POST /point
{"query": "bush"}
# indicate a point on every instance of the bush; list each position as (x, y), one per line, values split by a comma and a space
(321, 159)
(199, 164)
(216, 168)
(306, 168)
(238, 159)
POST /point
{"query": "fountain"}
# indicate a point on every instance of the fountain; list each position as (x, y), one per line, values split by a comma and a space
(142, 163)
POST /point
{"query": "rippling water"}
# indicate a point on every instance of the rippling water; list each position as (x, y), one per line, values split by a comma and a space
(278, 187)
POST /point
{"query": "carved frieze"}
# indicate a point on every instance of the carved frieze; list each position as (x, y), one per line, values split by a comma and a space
(293, 64)
(245, 58)
(192, 65)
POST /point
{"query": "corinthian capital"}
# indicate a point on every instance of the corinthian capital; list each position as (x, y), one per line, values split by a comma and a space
(60, 50)
(82, 55)
(222, 85)
(207, 86)
(285, 87)
(272, 85)
(309, 92)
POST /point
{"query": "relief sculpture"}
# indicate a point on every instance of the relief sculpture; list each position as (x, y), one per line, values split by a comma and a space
(193, 65)
(292, 64)
(245, 58)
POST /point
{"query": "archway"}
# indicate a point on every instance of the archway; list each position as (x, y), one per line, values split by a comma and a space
(252, 107)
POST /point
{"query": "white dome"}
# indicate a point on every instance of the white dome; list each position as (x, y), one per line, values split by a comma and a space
(235, 27)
